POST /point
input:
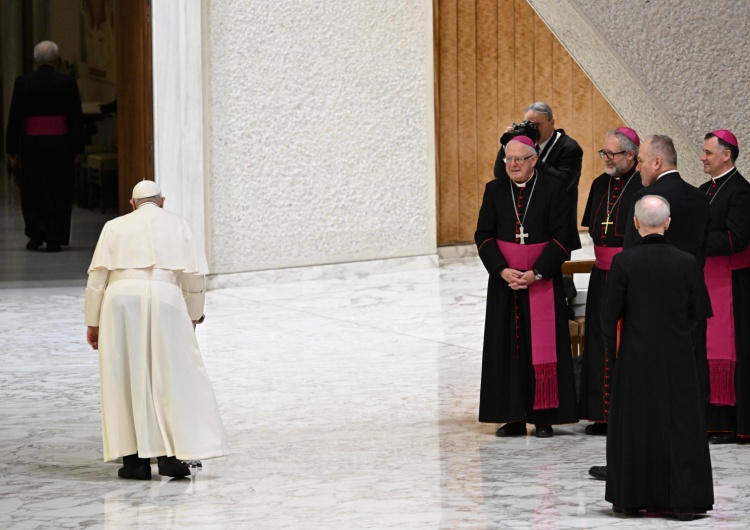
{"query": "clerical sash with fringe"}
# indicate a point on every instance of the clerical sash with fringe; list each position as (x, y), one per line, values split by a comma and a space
(720, 333)
(542, 323)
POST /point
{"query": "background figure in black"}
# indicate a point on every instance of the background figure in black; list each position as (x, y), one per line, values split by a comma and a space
(607, 218)
(657, 451)
(560, 156)
(44, 136)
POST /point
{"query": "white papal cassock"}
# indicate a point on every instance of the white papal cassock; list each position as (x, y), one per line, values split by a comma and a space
(146, 284)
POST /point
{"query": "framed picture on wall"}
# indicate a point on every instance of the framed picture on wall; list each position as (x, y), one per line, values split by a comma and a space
(98, 39)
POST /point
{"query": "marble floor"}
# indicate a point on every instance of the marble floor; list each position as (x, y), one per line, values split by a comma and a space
(350, 403)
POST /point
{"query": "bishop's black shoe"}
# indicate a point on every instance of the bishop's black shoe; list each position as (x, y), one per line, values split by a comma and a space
(512, 429)
(625, 511)
(543, 431)
(596, 429)
(598, 472)
(33, 244)
(52, 247)
(135, 468)
(720, 438)
(169, 466)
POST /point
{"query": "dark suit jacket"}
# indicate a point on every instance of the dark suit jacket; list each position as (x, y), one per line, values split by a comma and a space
(690, 214)
(564, 160)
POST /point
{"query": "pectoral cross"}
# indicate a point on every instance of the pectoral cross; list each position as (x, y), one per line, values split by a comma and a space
(606, 224)
(522, 236)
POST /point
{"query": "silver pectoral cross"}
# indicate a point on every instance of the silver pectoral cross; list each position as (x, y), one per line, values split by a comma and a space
(522, 236)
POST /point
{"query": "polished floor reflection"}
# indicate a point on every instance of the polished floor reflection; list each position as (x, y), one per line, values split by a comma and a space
(350, 403)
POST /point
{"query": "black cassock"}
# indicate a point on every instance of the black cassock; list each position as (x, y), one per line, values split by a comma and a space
(46, 161)
(608, 194)
(729, 232)
(657, 449)
(508, 384)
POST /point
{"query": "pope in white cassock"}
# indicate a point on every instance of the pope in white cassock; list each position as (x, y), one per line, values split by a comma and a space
(145, 293)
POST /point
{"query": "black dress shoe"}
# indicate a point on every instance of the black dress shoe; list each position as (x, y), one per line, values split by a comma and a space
(169, 466)
(135, 468)
(597, 429)
(34, 244)
(684, 516)
(53, 247)
(624, 511)
(598, 472)
(544, 431)
(512, 429)
(719, 438)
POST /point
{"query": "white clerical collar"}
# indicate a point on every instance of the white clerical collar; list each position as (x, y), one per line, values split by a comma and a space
(542, 146)
(723, 174)
(666, 173)
(523, 184)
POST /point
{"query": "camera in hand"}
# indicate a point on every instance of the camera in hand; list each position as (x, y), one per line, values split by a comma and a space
(525, 128)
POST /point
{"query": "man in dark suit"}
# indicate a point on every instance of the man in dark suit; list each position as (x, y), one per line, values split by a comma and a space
(727, 274)
(44, 136)
(657, 453)
(657, 164)
(560, 156)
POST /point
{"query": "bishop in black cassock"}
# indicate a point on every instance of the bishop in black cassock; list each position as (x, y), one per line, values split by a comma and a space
(727, 274)
(606, 217)
(526, 209)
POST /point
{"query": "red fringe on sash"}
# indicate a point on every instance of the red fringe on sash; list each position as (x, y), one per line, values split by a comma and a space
(721, 376)
(546, 395)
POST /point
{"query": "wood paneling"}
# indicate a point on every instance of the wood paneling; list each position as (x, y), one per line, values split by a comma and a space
(135, 128)
(493, 58)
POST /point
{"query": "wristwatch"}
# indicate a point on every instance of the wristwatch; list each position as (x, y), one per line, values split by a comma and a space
(537, 274)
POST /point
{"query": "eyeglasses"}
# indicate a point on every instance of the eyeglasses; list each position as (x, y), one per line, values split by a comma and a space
(608, 155)
(516, 159)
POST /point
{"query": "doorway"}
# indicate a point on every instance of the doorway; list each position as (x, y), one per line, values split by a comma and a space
(106, 45)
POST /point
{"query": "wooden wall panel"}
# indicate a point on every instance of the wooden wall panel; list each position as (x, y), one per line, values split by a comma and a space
(467, 114)
(447, 120)
(135, 127)
(493, 58)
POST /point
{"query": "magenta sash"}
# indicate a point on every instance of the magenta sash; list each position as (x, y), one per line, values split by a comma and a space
(604, 256)
(542, 323)
(45, 126)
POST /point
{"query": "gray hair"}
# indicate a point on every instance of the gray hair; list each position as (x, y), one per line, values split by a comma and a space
(626, 144)
(542, 108)
(46, 52)
(652, 211)
(663, 146)
(156, 199)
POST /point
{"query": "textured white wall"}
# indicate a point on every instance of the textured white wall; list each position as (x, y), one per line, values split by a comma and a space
(321, 135)
(668, 67)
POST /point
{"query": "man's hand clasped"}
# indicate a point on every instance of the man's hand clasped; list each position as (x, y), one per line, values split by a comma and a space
(518, 279)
